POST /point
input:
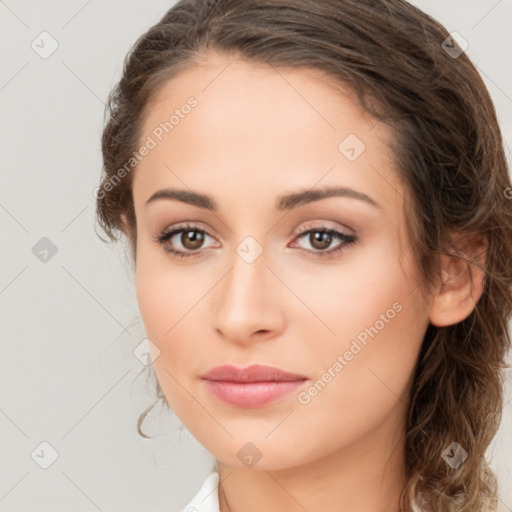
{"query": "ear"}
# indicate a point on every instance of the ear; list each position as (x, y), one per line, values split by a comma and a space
(461, 284)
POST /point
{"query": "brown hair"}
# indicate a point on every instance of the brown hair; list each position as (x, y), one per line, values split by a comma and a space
(448, 150)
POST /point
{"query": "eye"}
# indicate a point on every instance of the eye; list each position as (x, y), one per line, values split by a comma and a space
(321, 238)
(183, 241)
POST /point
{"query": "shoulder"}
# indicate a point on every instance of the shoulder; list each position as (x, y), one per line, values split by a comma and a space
(207, 498)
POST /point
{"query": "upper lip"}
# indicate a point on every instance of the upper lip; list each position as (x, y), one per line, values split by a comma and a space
(253, 373)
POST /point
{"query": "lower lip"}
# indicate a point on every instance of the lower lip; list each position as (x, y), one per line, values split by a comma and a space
(251, 394)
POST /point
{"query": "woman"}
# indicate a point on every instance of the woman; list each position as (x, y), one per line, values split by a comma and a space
(316, 200)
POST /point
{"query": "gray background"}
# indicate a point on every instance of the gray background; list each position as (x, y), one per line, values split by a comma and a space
(69, 324)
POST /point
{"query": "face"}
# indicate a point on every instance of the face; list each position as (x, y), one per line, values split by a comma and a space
(269, 270)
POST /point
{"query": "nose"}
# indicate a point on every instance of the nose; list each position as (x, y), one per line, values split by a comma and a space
(248, 302)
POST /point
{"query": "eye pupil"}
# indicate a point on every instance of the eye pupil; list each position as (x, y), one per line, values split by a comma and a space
(192, 239)
(320, 239)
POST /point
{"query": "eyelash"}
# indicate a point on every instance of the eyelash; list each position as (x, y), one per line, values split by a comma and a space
(347, 240)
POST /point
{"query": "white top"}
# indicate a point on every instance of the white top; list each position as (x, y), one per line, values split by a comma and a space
(207, 499)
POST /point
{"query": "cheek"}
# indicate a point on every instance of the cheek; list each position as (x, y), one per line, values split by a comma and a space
(379, 318)
(169, 300)
(362, 385)
(353, 293)
(163, 304)
(155, 305)
(164, 291)
(351, 399)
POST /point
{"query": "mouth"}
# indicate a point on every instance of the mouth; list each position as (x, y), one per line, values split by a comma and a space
(253, 386)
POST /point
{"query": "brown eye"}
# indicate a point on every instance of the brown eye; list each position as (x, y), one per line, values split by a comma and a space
(320, 239)
(192, 239)
(183, 241)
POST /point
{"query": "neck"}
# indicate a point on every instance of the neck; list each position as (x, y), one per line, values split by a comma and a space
(365, 476)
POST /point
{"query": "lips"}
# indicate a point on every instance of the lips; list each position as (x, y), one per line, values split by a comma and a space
(253, 386)
(253, 373)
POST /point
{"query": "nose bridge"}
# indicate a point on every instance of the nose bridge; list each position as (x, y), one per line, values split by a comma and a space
(243, 303)
(246, 280)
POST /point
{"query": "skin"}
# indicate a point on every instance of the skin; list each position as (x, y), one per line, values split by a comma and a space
(258, 133)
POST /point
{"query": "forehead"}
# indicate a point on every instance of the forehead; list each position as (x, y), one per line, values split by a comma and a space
(254, 123)
(232, 92)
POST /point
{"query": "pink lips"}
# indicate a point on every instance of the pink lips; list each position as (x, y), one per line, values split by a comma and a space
(253, 386)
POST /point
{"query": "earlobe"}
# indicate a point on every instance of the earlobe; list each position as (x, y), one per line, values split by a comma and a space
(461, 284)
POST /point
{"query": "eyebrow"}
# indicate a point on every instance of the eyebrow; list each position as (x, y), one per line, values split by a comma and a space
(285, 202)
